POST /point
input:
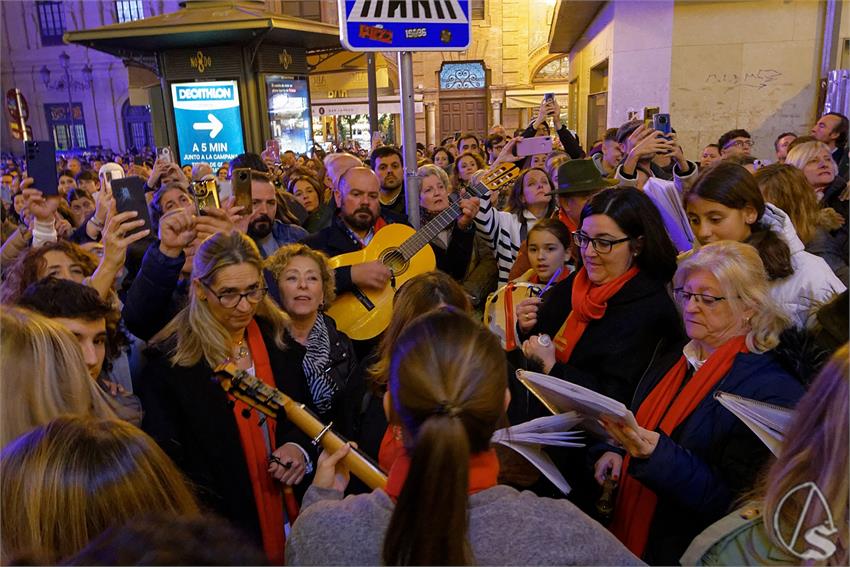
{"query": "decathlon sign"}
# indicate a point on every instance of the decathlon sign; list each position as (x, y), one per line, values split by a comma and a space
(208, 121)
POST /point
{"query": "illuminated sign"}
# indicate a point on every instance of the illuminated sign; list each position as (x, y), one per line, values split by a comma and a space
(208, 121)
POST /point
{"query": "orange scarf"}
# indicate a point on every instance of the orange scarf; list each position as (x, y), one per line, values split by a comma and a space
(562, 216)
(483, 473)
(589, 303)
(267, 493)
(669, 407)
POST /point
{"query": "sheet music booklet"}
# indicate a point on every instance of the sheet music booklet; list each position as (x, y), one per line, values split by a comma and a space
(560, 396)
(528, 439)
(768, 421)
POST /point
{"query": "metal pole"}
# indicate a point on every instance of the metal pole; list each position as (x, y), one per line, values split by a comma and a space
(408, 134)
(71, 129)
(371, 74)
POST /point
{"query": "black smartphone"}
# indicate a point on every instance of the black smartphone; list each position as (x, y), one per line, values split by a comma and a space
(41, 166)
(241, 183)
(129, 195)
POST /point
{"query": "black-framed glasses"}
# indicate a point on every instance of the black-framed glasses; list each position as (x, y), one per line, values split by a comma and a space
(230, 300)
(684, 297)
(601, 245)
(740, 144)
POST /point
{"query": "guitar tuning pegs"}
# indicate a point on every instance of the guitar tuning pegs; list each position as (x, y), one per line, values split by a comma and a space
(262, 420)
(246, 413)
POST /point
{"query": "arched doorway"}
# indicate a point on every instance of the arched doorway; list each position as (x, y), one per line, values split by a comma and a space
(138, 131)
(463, 98)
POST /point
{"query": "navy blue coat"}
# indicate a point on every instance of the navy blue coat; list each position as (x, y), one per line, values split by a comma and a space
(712, 458)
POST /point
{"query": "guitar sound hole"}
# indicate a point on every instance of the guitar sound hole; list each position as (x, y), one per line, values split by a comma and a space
(394, 260)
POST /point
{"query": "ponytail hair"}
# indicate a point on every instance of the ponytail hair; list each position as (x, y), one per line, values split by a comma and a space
(447, 384)
(733, 186)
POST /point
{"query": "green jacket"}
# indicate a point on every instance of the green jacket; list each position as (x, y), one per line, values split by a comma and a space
(737, 539)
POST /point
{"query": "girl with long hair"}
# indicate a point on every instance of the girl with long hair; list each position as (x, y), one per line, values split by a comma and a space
(725, 204)
(442, 504)
(67, 481)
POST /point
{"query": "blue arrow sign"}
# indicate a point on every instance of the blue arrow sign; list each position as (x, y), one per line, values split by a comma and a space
(208, 121)
(405, 25)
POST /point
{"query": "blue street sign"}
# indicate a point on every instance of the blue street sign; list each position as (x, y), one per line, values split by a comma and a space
(209, 124)
(405, 25)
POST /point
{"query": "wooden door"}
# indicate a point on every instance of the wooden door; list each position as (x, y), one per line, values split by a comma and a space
(463, 111)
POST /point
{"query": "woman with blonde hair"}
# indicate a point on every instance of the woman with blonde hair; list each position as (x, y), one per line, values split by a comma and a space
(317, 353)
(786, 187)
(442, 504)
(815, 450)
(815, 160)
(690, 458)
(43, 375)
(222, 444)
(69, 480)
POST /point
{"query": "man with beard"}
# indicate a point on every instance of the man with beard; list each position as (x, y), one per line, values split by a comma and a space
(387, 164)
(359, 217)
(267, 232)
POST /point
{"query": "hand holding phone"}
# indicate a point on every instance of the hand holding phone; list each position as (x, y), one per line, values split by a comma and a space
(164, 155)
(129, 195)
(241, 185)
(41, 166)
(534, 146)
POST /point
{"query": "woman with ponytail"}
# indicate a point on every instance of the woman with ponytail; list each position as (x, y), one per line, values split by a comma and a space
(441, 505)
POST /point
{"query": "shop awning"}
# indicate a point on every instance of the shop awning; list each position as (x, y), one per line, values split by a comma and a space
(569, 22)
(204, 23)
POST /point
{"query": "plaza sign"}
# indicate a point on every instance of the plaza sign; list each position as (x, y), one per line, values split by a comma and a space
(208, 122)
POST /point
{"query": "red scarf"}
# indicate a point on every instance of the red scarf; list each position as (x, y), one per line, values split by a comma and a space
(589, 303)
(267, 492)
(392, 445)
(562, 216)
(666, 408)
(483, 473)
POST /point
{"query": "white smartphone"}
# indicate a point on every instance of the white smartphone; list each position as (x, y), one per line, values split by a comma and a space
(534, 146)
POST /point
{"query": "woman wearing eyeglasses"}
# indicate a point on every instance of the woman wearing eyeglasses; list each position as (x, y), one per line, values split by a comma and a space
(690, 459)
(609, 317)
(223, 445)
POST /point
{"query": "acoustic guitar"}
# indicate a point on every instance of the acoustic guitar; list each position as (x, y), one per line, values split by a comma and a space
(246, 387)
(364, 314)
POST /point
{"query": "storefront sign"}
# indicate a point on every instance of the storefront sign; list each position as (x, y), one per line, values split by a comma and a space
(208, 121)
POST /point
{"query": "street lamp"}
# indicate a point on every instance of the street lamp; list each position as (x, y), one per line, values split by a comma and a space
(65, 62)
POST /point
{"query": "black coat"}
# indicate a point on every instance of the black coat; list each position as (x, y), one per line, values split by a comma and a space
(712, 458)
(455, 259)
(335, 240)
(615, 351)
(189, 417)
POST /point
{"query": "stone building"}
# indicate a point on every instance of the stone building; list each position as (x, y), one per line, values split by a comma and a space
(711, 65)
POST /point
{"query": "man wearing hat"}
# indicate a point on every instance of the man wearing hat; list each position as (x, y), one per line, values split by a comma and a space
(578, 181)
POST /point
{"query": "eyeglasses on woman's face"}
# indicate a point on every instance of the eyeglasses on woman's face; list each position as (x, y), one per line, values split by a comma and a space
(231, 299)
(684, 297)
(601, 245)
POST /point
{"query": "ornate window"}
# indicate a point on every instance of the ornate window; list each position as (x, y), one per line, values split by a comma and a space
(138, 131)
(462, 76)
(129, 10)
(51, 22)
(69, 132)
(555, 70)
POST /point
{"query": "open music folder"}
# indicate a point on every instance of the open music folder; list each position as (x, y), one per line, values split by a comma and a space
(561, 396)
(768, 421)
(528, 440)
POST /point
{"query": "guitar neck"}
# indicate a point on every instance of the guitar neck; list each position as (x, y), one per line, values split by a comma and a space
(267, 399)
(426, 234)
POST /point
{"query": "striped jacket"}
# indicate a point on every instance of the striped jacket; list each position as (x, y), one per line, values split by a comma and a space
(504, 233)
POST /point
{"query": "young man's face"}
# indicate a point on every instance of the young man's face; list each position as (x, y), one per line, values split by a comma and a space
(782, 147)
(739, 146)
(467, 145)
(612, 152)
(92, 338)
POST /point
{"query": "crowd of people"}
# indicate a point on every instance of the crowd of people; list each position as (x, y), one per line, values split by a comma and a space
(629, 270)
